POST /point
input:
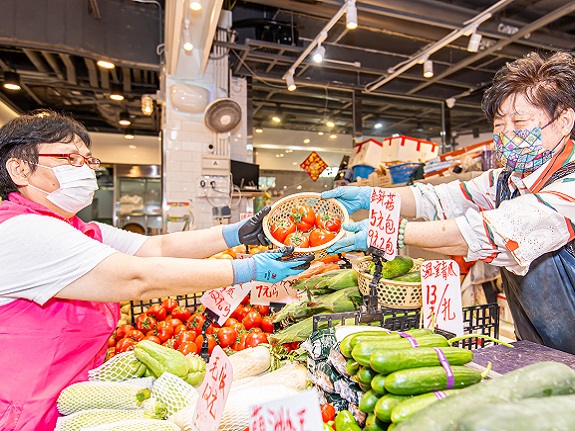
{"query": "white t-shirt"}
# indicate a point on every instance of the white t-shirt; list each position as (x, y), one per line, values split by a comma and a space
(40, 255)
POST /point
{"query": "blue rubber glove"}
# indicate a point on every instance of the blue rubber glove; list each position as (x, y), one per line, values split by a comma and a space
(246, 232)
(357, 242)
(352, 198)
(269, 266)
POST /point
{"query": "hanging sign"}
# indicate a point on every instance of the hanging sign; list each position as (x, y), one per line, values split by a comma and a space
(223, 301)
(313, 165)
(282, 292)
(384, 212)
(441, 291)
(214, 391)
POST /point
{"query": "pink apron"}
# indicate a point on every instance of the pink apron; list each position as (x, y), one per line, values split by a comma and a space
(46, 348)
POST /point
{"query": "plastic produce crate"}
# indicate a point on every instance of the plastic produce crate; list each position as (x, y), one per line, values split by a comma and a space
(400, 173)
(477, 319)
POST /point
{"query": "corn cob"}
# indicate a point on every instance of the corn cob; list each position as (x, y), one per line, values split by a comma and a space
(87, 418)
(100, 395)
(137, 425)
(123, 366)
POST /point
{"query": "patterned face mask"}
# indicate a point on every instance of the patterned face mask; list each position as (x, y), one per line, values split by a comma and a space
(522, 150)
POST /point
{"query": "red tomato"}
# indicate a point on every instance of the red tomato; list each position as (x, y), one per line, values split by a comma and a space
(110, 353)
(241, 311)
(240, 343)
(135, 335)
(153, 338)
(157, 312)
(199, 341)
(252, 320)
(181, 328)
(327, 412)
(169, 304)
(145, 323)
(122, 330)
(267, 324)
(125, 344)
(164, 331)
(169, 343)
(329, 221)
(181, 313)
(246, 299)
(182, 337)
(112, 340)
(320, 236)
(255, 338)
(303, 217)
(281, 229)
(196, 322)
(264, 310)
(212, 329)
(211, 343)
(227, 336)
(297, 239)
(174, 322)
(188, 347)
(234, 323)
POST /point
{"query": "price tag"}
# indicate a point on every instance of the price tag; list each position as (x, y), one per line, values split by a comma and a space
(384, 212)
(214, 391)
(282, 292)
(223, 301)
(296, 413)
(441, 290)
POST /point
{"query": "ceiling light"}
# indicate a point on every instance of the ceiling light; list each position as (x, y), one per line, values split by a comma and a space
(147, 104)
(276, 119)
(428, 69)
(259, 130)
(450, 102)
(332, 137)
(124, 119)
(290, 81)
(116, 92)
(306, 140)
(187, 45)
(320, 133)
(319, 53)
(129, 135)
(330, 123)
(378, 124)
(105, 64)
(195, 5)
(474, 42)
(12, 81)
(351, 15)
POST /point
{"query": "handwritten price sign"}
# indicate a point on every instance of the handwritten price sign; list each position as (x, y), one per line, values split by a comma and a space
(224, 301)
(214, 391)
(297, 413)
(384, 212)
(441, 289)
(281, 292)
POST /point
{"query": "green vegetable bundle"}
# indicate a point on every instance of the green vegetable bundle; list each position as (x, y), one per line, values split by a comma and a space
(328, 282)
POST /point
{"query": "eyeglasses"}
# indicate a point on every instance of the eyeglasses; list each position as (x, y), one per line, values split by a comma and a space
(77, 160)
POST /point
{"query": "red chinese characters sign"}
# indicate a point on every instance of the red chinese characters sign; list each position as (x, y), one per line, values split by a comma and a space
(313, 166)
(296, 413)
(441, 290)
(224, 301)
(281, 292)
(384, 211)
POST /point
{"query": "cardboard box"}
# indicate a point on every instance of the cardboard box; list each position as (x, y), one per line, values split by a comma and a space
(366, 153)
(407, 149)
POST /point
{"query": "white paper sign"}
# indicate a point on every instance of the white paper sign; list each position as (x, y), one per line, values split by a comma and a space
(441, 290)
(214, 391)
(224, 301)
(384, 212)
(296, 413)
(282, 292)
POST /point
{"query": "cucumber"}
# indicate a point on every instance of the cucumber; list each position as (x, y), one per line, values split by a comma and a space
(408, 407)
(386, 404)
(352, 367)
(372, 423)
(410, 277)
(368, 401)
(365, 375)
(362, 351)
(364, 386)
(542, 379)
(378, 384)
(388, 361)
(415, 381)
(349, 342)
(552, 413)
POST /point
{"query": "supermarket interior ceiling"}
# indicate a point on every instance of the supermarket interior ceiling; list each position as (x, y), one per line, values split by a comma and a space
(369, 75)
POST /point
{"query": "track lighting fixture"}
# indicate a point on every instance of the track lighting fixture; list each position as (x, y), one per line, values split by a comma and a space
(277, 116)
(103, 64)
(195, 5)
(378, 124)
(351, 15)
(147, 104)
(124, 119)
(12, 81)
(329, 123)
(319, 53)
(428, 69)
(116, 92)
(129, 135)
(187, 37)
(474, 42)
(290, 81)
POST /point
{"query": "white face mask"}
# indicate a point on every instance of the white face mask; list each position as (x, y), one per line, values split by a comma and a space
(77, 187)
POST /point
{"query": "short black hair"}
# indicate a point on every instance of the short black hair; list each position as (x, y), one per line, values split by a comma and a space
(21, 136)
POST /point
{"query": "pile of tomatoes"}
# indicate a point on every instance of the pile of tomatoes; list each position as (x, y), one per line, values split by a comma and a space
(304, 228)
(182, 329)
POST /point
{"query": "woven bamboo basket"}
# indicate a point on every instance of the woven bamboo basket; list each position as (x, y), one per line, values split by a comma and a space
(281, 210)
(390, 293)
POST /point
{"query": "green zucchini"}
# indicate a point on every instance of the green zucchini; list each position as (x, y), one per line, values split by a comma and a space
(415, 381)
(552, 413)
(362, 351)
(542, 379)
(386, 404)
(410, 277)
(408, 407)
(368, 401)
(352, 367)
(365, 375)
(350, 341)
(372, 423)
(378, 384)
(387, 361)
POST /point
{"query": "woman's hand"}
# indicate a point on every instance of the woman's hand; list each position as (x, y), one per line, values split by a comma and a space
(357, 242)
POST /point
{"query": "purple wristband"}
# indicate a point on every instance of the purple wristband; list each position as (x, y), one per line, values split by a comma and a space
(412, 340)
(445, 364)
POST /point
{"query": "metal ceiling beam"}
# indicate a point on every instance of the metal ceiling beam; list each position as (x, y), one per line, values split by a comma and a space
(70, 69)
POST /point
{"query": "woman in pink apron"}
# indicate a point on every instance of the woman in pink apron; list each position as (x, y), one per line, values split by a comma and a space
(61, 279)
